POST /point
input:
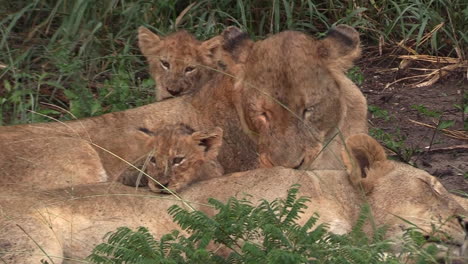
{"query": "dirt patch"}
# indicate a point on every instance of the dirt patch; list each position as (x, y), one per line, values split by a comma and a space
(394, 115)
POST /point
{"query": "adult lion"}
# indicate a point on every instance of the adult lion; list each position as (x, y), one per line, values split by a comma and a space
(295, 99)
(66, 224)
(91, 150)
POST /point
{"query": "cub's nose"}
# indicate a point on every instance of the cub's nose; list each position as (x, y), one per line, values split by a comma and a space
(174, 91)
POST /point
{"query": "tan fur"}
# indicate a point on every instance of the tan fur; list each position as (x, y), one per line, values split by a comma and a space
(294, 97)
(70, 222)
(179, 63)
(97, 149)
(181, 156)
(287, 66)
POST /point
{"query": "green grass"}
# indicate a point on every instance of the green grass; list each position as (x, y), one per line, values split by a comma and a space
(82, 55)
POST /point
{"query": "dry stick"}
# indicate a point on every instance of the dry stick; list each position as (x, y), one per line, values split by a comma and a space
(451, 148)
(435, 75)
(182, 14)
(462, 103)
(450, 133)
(430, 58)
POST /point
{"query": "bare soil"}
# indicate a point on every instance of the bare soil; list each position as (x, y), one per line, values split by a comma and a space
(430, 149)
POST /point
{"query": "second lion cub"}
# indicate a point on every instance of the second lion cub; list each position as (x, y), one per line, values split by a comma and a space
(182, 156)
(179, 63)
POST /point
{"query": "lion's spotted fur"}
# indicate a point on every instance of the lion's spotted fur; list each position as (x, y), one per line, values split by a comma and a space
(179, 63)
(69, 222)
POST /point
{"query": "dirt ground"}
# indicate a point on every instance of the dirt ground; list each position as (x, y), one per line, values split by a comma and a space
(427, 148)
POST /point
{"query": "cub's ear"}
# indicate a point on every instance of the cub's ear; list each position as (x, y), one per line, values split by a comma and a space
(341, 47)
(237, 43)
(146, 136)
(211, 140)
(147, 40)
(146, 132)
(365, 160)
(210, 46)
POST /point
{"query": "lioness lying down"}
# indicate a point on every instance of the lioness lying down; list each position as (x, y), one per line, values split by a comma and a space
(68, 223)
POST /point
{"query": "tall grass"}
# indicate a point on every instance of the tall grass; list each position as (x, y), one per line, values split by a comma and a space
(81, 55)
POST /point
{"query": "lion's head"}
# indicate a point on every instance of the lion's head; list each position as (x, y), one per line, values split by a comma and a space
(291, 93)
(403, 197)
(182, 156)
(179, 63)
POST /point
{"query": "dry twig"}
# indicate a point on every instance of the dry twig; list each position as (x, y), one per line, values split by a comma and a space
(457, 134)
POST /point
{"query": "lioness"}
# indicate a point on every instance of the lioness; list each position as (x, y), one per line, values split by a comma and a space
(179, 63)
(66, 224)
(100, 143)
(296, 100)
(179, 156)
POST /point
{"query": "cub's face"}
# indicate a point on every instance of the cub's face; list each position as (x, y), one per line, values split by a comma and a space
(178, 154)
(179, 63)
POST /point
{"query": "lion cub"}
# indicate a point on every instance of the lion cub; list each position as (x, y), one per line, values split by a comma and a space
(182, 156)
(178, 63)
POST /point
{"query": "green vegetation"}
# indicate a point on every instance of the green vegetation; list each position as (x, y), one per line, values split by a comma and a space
(378, 112)
(394, 140)
(80, 56)
(267, 233)
(463, 108)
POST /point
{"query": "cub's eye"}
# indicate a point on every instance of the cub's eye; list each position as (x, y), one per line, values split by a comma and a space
(165, 64)
(189, 69)
(178, 160)
(308, 112)
(153, 160)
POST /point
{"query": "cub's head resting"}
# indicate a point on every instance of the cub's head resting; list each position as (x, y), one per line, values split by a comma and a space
(181, 156)
(179, 63)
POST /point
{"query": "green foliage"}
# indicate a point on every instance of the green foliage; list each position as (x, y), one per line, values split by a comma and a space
(266, 233)
(463, 108)
(81, 55)
(396, 142)
(356, 75)
(423, 110)
(442, 124)
(378, 112)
